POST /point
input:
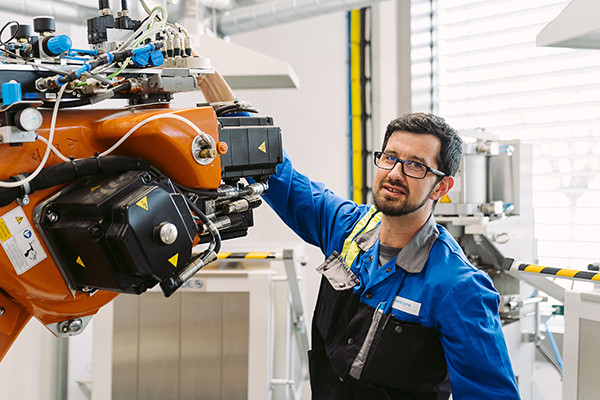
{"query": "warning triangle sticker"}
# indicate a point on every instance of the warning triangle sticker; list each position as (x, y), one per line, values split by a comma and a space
(263, 147)
(445, 199)
(19, 219)
(173, 260)
(80, 262)
(143, 203)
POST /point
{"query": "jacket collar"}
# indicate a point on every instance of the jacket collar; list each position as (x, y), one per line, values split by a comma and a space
(413, 256)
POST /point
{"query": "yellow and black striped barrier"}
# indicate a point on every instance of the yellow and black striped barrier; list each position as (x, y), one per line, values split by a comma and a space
(255, 255)
(512, 265)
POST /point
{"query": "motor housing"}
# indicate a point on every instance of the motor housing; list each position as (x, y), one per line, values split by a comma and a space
(122, 233)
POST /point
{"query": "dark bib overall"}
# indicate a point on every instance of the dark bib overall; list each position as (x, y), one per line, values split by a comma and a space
(360, 353)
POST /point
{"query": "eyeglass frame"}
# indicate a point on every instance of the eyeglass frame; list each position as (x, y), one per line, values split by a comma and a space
(377, 156)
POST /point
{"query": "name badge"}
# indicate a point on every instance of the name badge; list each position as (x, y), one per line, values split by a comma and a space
(406, 305)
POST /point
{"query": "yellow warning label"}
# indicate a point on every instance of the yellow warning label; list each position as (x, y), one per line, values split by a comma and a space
(173, 260)
(80, 262)
(19, 219)
(263, 147)
(4, 232)
(445, 199)
(143, 203)
(94, 188)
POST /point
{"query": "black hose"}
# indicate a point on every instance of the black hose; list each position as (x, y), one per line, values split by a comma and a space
(14, 35)
(60, 174)
(84, 101)
(234, 108)
(206, 221)
(199, 192)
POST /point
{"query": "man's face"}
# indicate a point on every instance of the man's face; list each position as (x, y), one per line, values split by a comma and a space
(396, 194)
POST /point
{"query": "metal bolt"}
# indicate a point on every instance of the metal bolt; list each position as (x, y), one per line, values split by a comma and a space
(146, 178)
(23, 201)
(52, 216)
(2, 311)
(167, 232)
(207, 153)
(87, 289)
(71, 326)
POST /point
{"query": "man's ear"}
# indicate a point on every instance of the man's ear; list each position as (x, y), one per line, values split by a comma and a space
(442, 188)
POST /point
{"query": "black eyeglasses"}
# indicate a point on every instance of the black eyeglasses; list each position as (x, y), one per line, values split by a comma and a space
(409, 168)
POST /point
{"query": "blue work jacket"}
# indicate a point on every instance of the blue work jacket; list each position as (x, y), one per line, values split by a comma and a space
(396, 331)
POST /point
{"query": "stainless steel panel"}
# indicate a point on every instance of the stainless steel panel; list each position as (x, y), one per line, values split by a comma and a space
(125, 348)
(236, 327)
(193, 345)
(160, 329)
(201, 346)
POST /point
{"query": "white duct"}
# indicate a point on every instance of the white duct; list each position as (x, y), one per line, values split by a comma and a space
(71, 13)
(273, 13)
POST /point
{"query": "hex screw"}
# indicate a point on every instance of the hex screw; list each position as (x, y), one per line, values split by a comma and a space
(71, 326)
(52, 217)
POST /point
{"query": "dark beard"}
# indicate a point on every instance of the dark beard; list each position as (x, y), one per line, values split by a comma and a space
(393, 210)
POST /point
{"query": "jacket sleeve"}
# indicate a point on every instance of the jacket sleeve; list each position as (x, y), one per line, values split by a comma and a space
(472, 338)
(312, 211)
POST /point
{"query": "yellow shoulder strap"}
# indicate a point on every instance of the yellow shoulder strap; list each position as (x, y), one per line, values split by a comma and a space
(367, 222)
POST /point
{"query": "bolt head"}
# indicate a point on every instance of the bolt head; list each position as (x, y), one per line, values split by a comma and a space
(167, 232)
(52, 217)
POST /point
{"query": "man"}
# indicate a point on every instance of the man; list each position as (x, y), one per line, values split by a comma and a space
(401, 313)
(400, 309)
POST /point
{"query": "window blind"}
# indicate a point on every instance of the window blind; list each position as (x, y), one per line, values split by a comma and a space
(489, 73)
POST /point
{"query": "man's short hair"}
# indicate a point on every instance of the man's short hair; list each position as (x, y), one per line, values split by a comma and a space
(451, 151)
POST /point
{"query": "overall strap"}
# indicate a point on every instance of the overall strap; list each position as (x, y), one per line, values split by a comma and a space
(368, 222)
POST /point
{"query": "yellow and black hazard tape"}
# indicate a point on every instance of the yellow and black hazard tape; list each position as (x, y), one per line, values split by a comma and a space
(247, 256)
(561, 272)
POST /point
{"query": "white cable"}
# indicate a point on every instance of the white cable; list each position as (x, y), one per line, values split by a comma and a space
(128, 134)
(149, 119)
(54, 149)
(141, 29)
(185, 31)
(146, 8)
(48, 147)
(146, 30)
